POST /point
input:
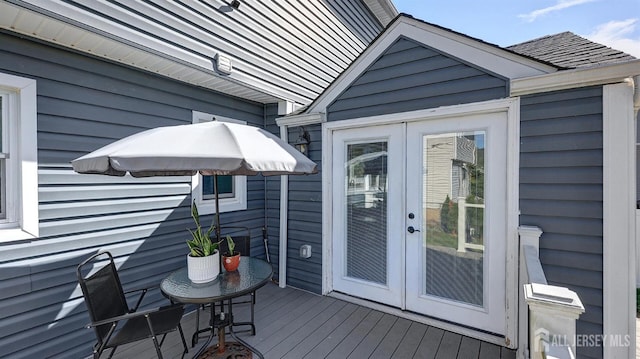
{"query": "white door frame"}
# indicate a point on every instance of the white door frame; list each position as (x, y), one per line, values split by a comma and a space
(391, 292)
(512, 108)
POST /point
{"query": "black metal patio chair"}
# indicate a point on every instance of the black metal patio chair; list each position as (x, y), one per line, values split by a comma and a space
(113, 321)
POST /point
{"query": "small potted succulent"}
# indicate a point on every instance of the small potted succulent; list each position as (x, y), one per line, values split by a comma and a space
(231, 259)
(203, 260)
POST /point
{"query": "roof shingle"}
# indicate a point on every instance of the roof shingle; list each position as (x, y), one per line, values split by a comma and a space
(569, 50)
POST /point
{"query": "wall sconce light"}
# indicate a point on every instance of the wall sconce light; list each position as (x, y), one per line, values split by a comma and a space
(235, 4)
(302, 143)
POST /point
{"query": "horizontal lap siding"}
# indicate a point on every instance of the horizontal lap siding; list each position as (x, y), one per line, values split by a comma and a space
(84, 103)
(305, 219)
(289, 49)
(561, 192)
(410, 76)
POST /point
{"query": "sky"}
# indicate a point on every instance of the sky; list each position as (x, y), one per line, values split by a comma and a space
(614, 23)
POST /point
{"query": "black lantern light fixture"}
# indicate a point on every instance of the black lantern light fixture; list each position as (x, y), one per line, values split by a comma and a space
(302, 143)
(235, 4)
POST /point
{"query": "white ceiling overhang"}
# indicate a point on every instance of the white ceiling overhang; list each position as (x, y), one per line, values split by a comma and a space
(383, 10)
(103, 38)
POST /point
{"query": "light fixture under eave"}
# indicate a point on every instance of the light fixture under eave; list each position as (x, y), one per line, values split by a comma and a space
(302, 143)
(224, 65)
(235, 4)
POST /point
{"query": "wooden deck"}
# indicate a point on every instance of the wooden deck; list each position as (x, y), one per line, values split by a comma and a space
(296, 324)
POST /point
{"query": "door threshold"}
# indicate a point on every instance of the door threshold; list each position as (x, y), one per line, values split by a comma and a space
(452, 327)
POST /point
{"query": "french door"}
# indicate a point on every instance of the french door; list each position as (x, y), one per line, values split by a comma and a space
(368, 233)
(419, 217)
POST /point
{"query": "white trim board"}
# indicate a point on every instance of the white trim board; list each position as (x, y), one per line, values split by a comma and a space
(301, 120)
(619, 190)
(599, 75)
(26, 161)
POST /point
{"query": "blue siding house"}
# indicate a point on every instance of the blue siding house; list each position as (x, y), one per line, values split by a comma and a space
(553, 139)
(77, 75)
(435, 149)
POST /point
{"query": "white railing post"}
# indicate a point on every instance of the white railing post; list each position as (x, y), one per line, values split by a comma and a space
(553, 312)
(529, 236)
(547, 313)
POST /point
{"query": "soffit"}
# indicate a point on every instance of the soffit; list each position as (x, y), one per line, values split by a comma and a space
(383, 10)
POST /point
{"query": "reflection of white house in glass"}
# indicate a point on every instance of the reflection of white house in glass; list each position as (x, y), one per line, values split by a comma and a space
(367, 178)
(448, 158)
(453, 176)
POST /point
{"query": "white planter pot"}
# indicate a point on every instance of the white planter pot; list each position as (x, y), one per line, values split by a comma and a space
(203, 269)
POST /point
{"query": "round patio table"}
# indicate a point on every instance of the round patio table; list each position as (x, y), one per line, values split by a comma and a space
(252, 274)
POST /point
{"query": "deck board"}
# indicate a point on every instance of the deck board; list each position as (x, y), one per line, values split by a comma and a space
(354, 338)
(428, 348)
(409, 344)
(488, 351)
(469, 348)
(365, 348)
(281, 348)
(393, 338)
(449, 346)
(310, 342)
(296, 324)
(325, 347)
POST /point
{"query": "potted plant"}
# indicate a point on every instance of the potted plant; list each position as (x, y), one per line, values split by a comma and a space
(203, 260)
(231, 259)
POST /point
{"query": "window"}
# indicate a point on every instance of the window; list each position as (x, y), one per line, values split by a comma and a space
(233, 189)
(225, 187)
(18, 159)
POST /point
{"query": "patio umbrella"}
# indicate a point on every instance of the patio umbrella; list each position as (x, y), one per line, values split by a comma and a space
(210, 148)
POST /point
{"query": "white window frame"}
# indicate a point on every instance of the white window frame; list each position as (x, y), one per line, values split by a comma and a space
(21, 221)
(227, 204)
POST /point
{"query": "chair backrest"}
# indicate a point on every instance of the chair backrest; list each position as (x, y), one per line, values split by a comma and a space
(243, 243)
(102, 290)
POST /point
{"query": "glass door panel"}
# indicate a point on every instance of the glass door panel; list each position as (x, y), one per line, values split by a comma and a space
(366, 207)
(453, 204)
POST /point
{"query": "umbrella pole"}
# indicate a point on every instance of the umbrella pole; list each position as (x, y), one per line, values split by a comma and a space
(215, 189)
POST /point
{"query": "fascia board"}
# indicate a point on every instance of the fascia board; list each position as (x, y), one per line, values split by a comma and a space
(483, 55)
(598, 75)
(301, 120)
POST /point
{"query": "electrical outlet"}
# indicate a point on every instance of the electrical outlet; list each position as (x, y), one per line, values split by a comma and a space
(305, 251)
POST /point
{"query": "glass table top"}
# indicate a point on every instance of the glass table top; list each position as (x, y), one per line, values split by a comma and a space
(251, 275)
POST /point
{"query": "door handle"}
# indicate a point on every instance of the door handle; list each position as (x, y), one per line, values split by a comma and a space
(410, 229)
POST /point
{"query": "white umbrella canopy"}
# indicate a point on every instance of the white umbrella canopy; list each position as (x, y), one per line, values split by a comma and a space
(211, 148)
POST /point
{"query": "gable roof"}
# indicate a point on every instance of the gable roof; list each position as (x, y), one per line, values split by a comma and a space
(502, 62)
(569, 50)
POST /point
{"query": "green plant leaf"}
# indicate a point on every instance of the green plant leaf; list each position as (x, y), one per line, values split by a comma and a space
(200, 244)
